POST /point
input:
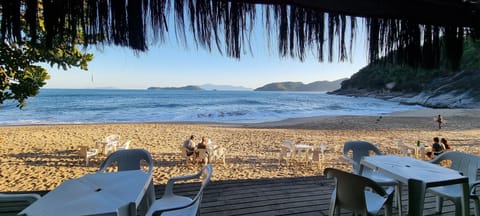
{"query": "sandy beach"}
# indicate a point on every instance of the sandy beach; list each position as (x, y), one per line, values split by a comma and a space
(41, 157)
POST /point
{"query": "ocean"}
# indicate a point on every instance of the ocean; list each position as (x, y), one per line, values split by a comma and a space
(80, 106)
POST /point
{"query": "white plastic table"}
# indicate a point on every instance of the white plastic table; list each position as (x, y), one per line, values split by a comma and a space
(302, 150)
(112, 193)
(418, 176)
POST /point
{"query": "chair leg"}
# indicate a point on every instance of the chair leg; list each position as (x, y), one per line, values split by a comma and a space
(439, 204)
(388, 208)
(333, 209)
(398, 194)
(476, 207)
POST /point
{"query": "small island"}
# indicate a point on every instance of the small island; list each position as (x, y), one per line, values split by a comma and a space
(299, 86)
(189, 87)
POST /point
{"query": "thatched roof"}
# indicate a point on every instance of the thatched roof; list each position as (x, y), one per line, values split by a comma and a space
(413, 27)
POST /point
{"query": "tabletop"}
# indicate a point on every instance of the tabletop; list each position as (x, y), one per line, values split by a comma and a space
(303, 146)
(98, 193)
(418, 175)
(405, 168)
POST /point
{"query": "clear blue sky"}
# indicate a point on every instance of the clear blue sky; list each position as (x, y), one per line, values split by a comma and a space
(172, 65)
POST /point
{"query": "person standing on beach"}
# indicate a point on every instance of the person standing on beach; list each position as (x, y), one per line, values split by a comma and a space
(439, 120)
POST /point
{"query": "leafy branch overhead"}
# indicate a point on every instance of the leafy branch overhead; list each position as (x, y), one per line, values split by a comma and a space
(21, 59)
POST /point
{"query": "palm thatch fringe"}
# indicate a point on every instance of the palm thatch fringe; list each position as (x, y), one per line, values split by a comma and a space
(227, 26)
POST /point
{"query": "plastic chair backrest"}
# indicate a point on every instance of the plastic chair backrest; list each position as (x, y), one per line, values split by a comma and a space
(189, 208)
(128, 159)
(359, 149)
(82, 152)
(323, 148)
(125, 145)
(465, 163)
(14, 203)
(112, 138)
(349, 190)
(206, 174)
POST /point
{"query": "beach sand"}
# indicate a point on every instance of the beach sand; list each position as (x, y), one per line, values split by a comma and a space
(41, 157)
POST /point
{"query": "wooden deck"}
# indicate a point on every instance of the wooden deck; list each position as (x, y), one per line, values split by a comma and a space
(281, 196)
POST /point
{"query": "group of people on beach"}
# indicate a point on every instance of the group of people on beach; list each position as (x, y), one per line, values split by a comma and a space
(191, 147)
(438, 147)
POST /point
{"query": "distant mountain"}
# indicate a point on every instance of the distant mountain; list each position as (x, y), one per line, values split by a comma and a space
(224, 87)
(189, 87)
(299, 86)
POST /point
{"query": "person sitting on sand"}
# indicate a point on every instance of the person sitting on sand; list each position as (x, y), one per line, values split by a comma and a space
(189, 144)
(437, 148)
(446, 145)
(203, 144)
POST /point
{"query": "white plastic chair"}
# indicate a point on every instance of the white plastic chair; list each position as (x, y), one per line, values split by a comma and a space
(125, 145)
(216, 153)
(353, 151)
(466, 164)
(12, 204)
(132, 159)
(86, 154)
(184, 154)
(172, 204)
(317, 154)
(358, 194)
(286, 151)
(221, 153)
(108, 145)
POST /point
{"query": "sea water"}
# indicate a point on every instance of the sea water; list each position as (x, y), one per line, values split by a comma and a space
(79, 106)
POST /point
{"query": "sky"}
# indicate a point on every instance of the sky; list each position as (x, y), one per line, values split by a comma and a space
(173, 65)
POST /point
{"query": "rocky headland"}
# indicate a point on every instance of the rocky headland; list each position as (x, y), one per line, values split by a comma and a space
(461, 90)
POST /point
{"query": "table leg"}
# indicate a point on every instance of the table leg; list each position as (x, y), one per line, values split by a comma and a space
(147, 199)
(416, 197)
(465, 200)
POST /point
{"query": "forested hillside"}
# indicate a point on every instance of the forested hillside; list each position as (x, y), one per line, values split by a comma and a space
(422, 86)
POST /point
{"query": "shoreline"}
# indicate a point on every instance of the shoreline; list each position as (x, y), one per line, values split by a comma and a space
(40, 157)
(300, 121)
(421, 119)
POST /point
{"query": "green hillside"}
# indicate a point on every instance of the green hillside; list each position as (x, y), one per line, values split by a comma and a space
(401, 78)
(440, 88)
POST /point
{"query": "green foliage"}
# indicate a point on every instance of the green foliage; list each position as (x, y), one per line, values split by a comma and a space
(21, 75)
(471, 55)
(376, 76)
